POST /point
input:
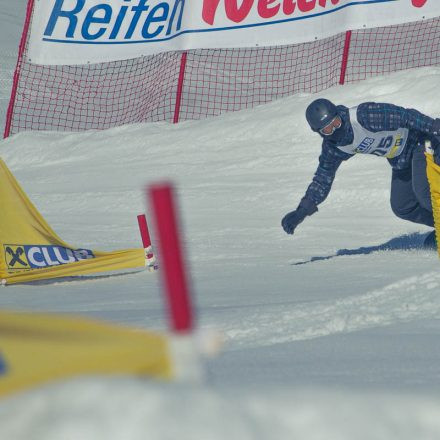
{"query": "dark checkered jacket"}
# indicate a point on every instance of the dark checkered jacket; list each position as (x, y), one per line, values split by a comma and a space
(374, 117)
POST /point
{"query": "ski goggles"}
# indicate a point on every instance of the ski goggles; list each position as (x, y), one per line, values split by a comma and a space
(333, 125)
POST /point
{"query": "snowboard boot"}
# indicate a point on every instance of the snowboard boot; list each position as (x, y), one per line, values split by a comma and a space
(430, 241)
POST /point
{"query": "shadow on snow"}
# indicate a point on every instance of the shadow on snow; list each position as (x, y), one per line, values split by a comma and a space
(79, 278)
(403, 242)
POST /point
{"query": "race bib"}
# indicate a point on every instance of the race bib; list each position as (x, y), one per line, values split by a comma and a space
(382, 143)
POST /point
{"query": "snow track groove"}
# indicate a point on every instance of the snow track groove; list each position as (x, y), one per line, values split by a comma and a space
(411, 299)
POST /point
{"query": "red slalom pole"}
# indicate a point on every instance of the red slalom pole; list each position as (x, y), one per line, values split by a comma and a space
(150, 258)
(173, 270)
(143, 228)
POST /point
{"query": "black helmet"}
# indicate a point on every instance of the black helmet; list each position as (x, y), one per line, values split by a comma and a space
(320, 113)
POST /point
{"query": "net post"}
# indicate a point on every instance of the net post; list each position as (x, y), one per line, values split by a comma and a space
(345, 57)
(180, 87)
(21, 50)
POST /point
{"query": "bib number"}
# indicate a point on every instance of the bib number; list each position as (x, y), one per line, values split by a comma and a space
(388, 146)
(384, 146)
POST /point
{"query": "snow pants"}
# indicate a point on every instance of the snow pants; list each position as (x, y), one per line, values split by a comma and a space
(410, 194)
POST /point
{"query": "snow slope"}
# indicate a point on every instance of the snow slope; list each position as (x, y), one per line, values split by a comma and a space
(332, 333)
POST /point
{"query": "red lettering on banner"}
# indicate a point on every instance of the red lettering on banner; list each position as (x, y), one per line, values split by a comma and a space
(209, 10)
(233, 11)
(289, 6)
(265, 11)
(265, 8)
(236, 13)
(323, 2)
(306, 5)
(418, 3)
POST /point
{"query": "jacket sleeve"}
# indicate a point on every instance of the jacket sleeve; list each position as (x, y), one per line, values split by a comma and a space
(387, 117)
(329, 162)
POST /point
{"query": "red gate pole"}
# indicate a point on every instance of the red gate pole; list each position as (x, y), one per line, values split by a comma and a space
(180, 87)
(174, 275)
(150, 258)
(345, 57)
(143, 228)
(185, 345)
(21, 50)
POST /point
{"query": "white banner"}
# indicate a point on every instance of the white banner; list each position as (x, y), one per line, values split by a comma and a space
(92, 31)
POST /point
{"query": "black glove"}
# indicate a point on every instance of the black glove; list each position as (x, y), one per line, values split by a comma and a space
(291, 220)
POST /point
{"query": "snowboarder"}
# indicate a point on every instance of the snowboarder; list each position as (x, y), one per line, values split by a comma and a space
(381, 129)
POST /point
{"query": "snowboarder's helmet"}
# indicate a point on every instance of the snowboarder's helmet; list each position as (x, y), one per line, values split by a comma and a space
(320, 113)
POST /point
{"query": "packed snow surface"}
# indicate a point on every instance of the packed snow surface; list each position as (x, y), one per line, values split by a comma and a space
(330, 334)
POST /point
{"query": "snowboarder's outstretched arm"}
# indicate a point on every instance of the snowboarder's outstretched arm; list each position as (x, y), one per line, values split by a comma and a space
(329, 161)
